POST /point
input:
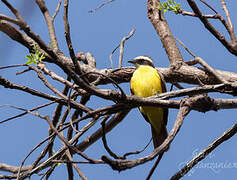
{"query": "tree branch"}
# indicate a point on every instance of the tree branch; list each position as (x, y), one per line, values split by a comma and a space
(159, 23)
(224, 137)
(231, 47)
(49, 22)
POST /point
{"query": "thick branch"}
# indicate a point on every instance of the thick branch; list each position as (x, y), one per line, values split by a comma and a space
(158, 21)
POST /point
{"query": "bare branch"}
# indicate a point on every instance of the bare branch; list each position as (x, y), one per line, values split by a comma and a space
(115, 120)
(158, 21)
(49, 22)
(219, 78)
(209, 6)
(224, 137)
(52, 88)
(22, 114)
(229, 46)
(121, 165)
(231, 28)
(57, 10)
(186, 13)
(111, 153)
(13, 169)
(154, 166)
(122, 47)
(23, 25)
(185, 47)
(66, 143)
(68, 38)
(100, 6)
(9, 19)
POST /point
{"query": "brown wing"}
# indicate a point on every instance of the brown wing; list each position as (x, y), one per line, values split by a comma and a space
(163, 133)
(165, 110)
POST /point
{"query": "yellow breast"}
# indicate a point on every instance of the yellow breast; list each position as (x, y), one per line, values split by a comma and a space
(145, 82)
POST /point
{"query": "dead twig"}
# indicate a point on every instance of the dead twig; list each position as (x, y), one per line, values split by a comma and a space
(56, 10)
(122, 47)
(154, 166)
(136, 152)
(100, 6)
(203, 63)
(231, 28)
(22, 114)
(111, 153)
(49, 22)
(230, 46)
(68, 38)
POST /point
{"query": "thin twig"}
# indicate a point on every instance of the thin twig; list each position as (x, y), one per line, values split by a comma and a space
(56, 10)
(211, 70)
(229, 27)
(154, 166)
(22, 114)
(55, 119)
(209, 6)
(123, 95)
(26, 28)
(56, 91)
(62, 150)
(49, 22)
(185, 47)
(122, 47)
(67, 143)
(232, 35)
(136, 152)
(203, 63)
(115, 120)
(186, 13)
(100, 6)
(75, 162)
(69, 111)
(68, 38)
(48, 173)
(111, 153)
(11, 66)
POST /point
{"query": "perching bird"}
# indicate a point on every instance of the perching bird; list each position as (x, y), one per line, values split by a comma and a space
(147, 81)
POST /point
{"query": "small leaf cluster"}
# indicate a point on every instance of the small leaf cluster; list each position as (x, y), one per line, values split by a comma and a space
(169, 5)
(35, 57)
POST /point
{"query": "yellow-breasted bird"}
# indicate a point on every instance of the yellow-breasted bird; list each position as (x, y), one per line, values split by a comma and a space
(147, 81)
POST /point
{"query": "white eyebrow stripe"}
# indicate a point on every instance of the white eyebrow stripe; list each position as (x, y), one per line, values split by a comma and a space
(144, 57)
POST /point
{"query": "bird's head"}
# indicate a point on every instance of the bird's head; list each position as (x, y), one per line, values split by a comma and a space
(142, 60)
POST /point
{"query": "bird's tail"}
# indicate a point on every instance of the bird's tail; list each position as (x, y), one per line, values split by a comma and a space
(158, 139)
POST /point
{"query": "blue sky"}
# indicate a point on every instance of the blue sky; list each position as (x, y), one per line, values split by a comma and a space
(99, 33)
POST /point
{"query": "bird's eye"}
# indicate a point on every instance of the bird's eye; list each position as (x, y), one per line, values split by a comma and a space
(141, 61)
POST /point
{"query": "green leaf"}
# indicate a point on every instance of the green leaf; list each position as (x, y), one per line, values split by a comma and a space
(29, 62)
(169, 5)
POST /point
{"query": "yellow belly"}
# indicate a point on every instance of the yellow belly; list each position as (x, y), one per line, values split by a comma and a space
(146, 82)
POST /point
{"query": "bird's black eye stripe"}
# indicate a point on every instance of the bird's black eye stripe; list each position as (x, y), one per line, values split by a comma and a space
(145, 62)
(141, 61)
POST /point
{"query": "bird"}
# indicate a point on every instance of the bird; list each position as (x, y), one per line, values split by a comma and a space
(146, 81)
